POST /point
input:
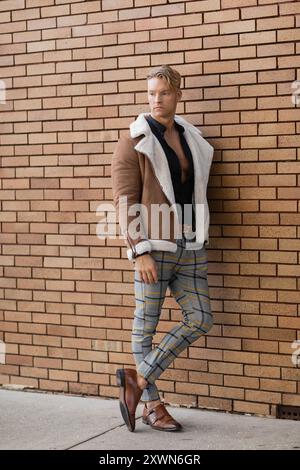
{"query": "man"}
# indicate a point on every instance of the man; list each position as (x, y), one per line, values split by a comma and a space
(163, 161)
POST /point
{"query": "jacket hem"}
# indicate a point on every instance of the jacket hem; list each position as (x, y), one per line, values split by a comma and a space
(165, 245)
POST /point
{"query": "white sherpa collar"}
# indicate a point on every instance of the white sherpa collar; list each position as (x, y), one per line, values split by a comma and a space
(150, 146)
(140, 125)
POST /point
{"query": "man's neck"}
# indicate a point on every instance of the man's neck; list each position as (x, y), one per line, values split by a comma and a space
(169, 123)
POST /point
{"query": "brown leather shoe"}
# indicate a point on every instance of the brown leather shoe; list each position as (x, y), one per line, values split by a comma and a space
(159, 418)
(130, 395)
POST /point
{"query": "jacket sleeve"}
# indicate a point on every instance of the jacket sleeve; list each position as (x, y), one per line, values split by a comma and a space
(127, 192)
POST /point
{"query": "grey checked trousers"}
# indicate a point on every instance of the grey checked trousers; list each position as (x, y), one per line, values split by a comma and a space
(185, 272)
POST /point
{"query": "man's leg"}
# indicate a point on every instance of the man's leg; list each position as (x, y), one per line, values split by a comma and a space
(189, 286)
(149, 299)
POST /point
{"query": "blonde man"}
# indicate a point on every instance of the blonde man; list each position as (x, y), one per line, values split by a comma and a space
(163, 162)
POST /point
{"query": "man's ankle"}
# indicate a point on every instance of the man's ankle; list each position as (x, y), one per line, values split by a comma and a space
(152, 404)
(142, 382)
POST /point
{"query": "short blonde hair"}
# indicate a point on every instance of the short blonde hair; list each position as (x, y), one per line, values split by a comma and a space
(168, 73)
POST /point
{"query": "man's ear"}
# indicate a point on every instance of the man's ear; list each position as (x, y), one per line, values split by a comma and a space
(179, 94)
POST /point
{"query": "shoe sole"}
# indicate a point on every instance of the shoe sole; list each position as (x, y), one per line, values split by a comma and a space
(161, 429)
(124, 410)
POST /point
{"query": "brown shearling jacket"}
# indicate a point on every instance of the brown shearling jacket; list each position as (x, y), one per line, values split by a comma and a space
(141, 176)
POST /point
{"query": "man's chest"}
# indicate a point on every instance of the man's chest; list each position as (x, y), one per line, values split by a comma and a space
(175, 144)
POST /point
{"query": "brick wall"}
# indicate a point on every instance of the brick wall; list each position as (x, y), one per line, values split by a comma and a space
(75, 78)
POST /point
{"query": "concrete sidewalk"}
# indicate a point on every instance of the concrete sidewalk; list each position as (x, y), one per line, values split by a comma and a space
(37, 420)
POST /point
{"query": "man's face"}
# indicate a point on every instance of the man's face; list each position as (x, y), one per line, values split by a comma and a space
(162, 99)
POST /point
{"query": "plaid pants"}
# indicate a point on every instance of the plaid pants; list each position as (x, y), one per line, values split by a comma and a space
(185, 272)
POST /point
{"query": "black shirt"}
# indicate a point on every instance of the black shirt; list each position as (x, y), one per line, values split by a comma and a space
(183, 191)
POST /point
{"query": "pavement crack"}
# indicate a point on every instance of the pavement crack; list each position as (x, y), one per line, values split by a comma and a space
(94, 437)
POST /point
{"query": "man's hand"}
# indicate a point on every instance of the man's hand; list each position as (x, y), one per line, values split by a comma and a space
(146, 267)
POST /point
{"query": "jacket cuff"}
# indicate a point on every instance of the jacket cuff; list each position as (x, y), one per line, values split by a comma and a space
(139, 249)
